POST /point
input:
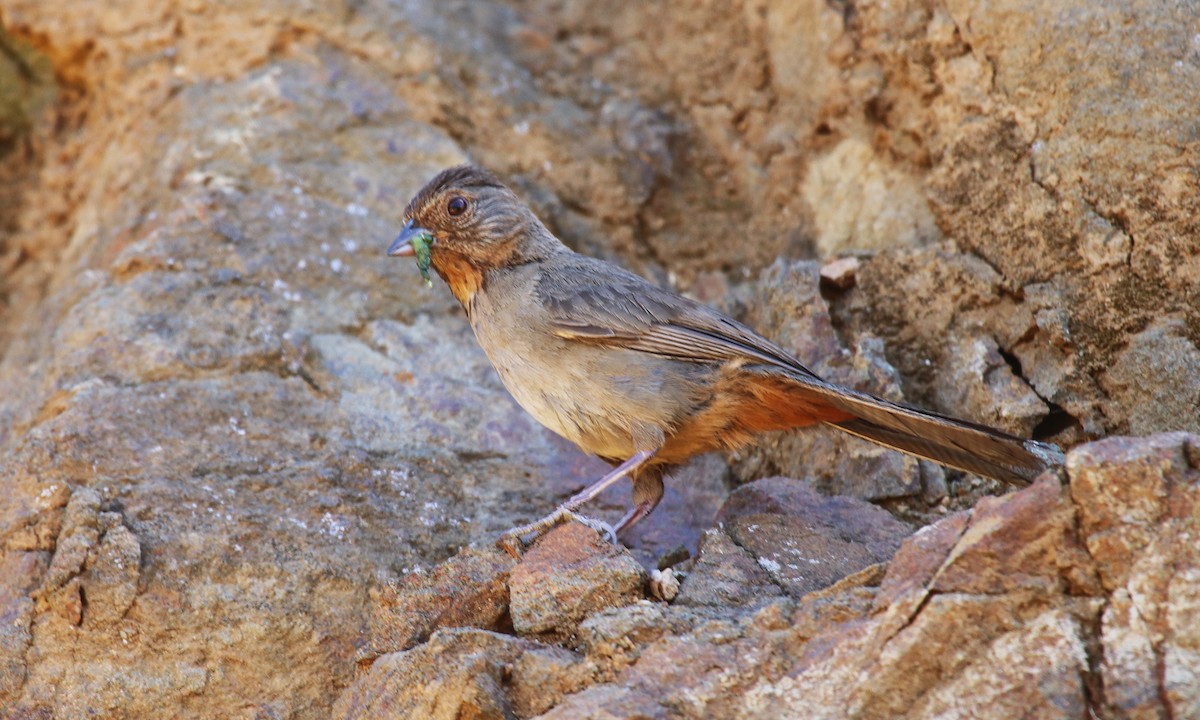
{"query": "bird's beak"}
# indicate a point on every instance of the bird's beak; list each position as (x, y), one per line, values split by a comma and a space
(402, 246)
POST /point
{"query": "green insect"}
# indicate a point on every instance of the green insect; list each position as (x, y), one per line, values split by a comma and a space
(421, 245)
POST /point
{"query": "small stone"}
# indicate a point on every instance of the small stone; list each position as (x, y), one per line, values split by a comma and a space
(663, 584)
(841, 273)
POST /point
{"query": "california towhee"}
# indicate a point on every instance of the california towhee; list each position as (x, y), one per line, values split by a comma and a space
(638, 375)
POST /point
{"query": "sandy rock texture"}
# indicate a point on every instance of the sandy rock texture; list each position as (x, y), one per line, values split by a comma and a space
(250, 468)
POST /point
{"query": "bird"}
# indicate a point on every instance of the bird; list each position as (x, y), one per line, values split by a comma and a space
(638, 375)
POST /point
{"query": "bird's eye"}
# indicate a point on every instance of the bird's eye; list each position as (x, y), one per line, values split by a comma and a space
(457, 205)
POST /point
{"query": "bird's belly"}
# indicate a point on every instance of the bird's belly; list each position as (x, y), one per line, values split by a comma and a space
(573, 407)
(587, 395)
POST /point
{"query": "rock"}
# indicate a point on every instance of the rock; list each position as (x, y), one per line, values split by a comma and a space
(982, 383)
(725, 575)
(984, 614)
(467, 590)
(1020, 541)
(1039, 672)
(459, 673)
(205, 387)
(806, 541)
(1122, 511)
(568, 574)
(861, 202)
(1139, 515)
(19, 572)
(111, 583)
(77, 537)
(848, 600)
(540, 680)
(28, 92)
(1157, 377)
(96, 557)
(621, 631)
(677, 676)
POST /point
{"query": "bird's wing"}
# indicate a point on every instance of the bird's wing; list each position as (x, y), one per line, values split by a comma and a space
(595, 302)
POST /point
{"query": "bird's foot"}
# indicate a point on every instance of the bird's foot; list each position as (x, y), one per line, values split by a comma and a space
(605, 530)
(514, 541)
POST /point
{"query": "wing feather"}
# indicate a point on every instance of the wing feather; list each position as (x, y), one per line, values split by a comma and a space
(598, 303)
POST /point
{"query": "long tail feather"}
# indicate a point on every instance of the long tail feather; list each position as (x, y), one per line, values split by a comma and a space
(949, 441)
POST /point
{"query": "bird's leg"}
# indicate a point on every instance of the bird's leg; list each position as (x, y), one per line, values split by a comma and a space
(647, 492)
(518, 536)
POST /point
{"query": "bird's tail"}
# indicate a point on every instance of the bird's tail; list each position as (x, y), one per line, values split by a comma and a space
(957, 443)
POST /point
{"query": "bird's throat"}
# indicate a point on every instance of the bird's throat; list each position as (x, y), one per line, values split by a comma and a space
(463, 277)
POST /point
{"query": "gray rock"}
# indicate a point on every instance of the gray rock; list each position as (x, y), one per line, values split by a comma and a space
(806, 541)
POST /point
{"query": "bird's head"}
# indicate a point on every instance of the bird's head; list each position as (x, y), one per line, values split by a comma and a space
(465, 215)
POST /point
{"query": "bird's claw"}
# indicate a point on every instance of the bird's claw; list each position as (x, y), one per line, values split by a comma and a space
(511, 543)
(605, 530)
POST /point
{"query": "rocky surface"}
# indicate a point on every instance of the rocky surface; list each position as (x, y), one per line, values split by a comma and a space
(1056, 601)
(242, 453)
